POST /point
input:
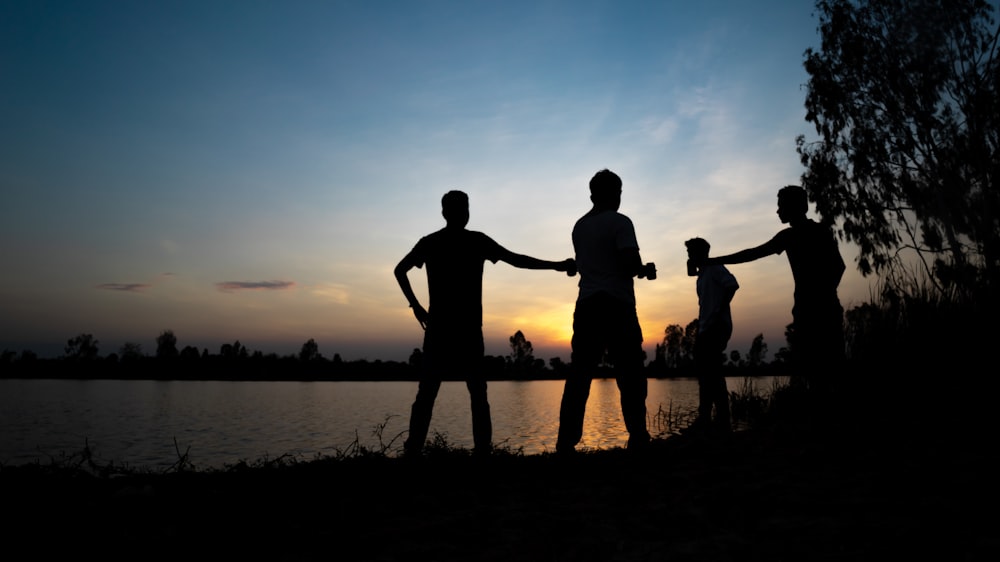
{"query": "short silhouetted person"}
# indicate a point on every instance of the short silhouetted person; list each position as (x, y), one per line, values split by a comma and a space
(453, 336)
(715, 287)
(605, 322)
(817, 335)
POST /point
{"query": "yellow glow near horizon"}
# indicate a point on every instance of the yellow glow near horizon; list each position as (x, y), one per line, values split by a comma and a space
(549, 328)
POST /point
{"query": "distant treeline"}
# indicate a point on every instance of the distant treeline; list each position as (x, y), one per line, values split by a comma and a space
(82, 360)
(290, 368)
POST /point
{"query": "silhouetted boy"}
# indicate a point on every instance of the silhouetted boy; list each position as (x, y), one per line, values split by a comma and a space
(817, 336)
(607, 257)
(715, 287)
(453, 337)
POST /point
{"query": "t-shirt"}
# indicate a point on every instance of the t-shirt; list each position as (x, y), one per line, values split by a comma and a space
(815, 261)
(454, 259)
(713, 285)
(598, 238)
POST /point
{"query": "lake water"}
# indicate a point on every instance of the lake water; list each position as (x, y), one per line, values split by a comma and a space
(219, 423)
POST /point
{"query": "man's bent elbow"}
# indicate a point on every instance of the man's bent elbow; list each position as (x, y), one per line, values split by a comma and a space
(400, 271)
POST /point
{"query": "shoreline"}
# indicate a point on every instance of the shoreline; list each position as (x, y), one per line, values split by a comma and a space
(790, 491)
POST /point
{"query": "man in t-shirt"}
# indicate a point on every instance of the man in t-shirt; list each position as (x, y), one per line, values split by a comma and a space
(453, 323)
(605, 321)
(715, 287)
(816, 339)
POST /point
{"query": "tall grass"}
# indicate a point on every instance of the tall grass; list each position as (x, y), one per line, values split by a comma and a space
(670, 421)
(749, 405)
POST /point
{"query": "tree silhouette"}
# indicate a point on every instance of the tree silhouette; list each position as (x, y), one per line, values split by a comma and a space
(130, 352)
(309, 351)
(235, 350)
(672, 337)
(416, 357)
(81, 347)
(905, 96)
(559, 367)
(788, 352)
(521, 351)
(758, 351)
(521, 360)
(166, 345)
(190, 353)
(687, 342)
(677, 349)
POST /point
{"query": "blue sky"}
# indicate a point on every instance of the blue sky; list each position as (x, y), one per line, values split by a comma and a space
(254, 170)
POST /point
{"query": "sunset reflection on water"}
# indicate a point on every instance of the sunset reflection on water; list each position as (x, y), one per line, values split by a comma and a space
(223, 422)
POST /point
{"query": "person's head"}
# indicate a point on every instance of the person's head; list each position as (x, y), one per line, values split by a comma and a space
(455, 208)
(697, 248)
(792, 203)
(606, 189)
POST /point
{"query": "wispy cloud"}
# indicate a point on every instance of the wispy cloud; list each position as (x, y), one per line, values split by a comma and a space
(228, 286)
(331, 292)
(124, 287)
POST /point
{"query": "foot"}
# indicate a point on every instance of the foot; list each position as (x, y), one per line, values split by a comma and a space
(638, 442)
(565, 450)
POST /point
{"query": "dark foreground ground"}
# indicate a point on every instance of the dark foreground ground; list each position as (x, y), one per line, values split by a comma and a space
(878, 489)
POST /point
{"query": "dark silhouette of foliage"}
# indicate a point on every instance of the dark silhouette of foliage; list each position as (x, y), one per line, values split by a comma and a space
(755, 358)
(675, 355)
(687, 342)
(673, 350)
(758, 351)
(82, 347)
(790, 340)
(233, 351)
(905, 97)
(190, 353)
(521, 361)
(166, 345)
(309, 351)
(416, 357)
(782, 356)
(560, 369)
(130, 351)
(521, 350)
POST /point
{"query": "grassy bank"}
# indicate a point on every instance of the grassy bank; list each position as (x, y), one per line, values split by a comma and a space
(790, 487)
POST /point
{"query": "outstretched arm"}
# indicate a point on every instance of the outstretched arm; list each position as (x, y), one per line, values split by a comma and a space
(527, 262)
(401, 271)
(743, 256)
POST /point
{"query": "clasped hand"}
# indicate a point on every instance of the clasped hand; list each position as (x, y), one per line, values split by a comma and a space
(569, 266)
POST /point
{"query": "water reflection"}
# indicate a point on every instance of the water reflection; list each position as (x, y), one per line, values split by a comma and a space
(223, 422)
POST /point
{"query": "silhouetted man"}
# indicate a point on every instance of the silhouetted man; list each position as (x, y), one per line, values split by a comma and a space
(607, 257)
(817, 335)
(715, 287)
(453, 336)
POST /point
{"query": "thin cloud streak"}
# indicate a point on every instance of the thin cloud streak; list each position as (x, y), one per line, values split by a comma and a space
(124, 287)
(229, 286)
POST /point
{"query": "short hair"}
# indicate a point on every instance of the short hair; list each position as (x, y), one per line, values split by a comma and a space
(605, 183)
(454, 201)
(698, 245)
(795, 197)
